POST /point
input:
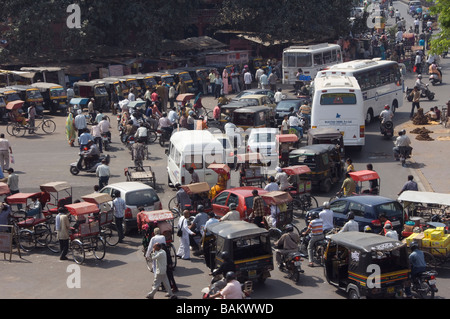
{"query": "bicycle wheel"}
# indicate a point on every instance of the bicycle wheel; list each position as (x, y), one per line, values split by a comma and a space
(77, 251)
(111, 235)
(173, 203)
(173, 255)
(26, 240)
(43, 235)
(16, 130)
(308, 202)
(53, 245)
(152, 137)
(48, 126)
(99, 247)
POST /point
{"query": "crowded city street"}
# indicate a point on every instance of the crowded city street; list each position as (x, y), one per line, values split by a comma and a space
(38, 158)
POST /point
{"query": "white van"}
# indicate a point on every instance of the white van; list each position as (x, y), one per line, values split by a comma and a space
(197, 149)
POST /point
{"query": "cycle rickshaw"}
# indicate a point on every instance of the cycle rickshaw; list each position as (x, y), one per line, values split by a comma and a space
(19, 129)
(85, 235)
(366, 176)
(281, 209)
(105, 217)
(285, 144)
(30, 225)
(251, 166)
(162, 219)
(301, 187)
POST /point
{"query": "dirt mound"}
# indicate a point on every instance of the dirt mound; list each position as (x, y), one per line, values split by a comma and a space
(420, 118)
(421, 130)
(424, 137)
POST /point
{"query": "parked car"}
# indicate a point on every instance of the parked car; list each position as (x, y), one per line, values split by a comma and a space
(284, 106)
(136, 195)
(241, 196)
(367, 209)
(267, 92)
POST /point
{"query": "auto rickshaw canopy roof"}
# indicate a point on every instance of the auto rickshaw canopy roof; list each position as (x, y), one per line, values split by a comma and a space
(297, 170)
(156, 216)
(97, 198)
(21, 198)
(364, 175)
(185, 97)
(366, 242)
(315, 149)
(83, 208)
(236, 229)
(55, 187)
(277, 198)
(425, 197)
(287, 138)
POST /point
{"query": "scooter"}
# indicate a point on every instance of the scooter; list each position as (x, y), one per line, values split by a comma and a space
(404, 153)
(434, 77)
(387, 129)
(76, 168)
(425, 284)
(106, 140)
(292, 263)
(163, 135)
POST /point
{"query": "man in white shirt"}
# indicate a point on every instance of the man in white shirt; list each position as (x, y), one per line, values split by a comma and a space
(141, 132)
(295, 123)
(278, 96)
(264, 81)
(131, 96)
(105, 126)
(248, 80)
(351, 225)
(401, 141)
(173, 116)
(103, 174)
(233, 214)
(386, 114)
(159, 256)
(80, 122)
(326, 215)
(258, 74)
(119, 207)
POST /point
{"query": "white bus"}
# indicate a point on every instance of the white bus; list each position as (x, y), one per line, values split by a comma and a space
(310, 59)
(338, 103)
(380, 81)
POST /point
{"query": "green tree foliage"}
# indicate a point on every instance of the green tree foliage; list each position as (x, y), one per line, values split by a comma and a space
(38, 27)
(290, 20)
(441, 41)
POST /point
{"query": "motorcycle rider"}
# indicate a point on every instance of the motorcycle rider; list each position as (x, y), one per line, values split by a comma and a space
(401, 142)
(315, 227)
(433, 69)
(417, 263)
(419, 83)
(287, 243)
(92, 155)
(232, 290)
(386, 114)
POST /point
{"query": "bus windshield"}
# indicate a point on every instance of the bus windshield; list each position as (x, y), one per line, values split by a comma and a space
(297, 59)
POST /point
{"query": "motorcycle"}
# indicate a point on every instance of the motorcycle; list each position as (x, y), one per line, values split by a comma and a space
(425, 284)
(76, 168)
(218, 283)
(319, 246)
(404, 153)
(106, 140)
(292, 263)
(434, 77)
(163, 135)
(130, 141)
(387, 129)
(425, 92)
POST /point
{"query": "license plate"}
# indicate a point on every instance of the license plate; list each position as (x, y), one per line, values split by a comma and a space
(297, 263)
(432, 282)
(252, 273)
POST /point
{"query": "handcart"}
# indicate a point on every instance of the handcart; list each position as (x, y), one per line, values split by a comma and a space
(251, 167)
(143, 174)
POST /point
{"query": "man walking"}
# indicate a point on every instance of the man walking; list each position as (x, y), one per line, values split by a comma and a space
(5, 150)
(119, 207)
(159, 256)
(103, 173)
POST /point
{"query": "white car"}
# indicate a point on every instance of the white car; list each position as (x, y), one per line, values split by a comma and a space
(263, 141)
(136, 195)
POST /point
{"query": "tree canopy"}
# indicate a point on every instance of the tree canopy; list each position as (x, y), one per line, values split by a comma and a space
(287, 20)
(39, 27)
(441, 41)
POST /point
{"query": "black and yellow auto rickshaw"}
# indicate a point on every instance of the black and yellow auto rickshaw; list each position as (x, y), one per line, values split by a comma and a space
(326, 135)
(325, 162)
(55, 97)
(146, 81)
(132, 83)
(366, 265)
(253, 117)
(115, 85)
(29, 95)
(93, 89)
(248, 247)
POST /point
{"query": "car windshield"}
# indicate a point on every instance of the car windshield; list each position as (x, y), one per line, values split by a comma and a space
(305, 159)
(286, 105)
(57, 92)
(249, 247)
(145, 197)
(34, 94)
(101, 90)
(390, 209)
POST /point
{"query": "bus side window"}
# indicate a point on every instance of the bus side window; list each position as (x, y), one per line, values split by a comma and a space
(318, 60)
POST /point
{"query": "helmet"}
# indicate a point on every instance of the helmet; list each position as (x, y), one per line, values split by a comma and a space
(419, 76)
(314, 215)
(326, 204)
(232, 206)
(414, 245)
(200, 208)
(387, 226)
(367, 229)
(289, 228)
(225, 255)
(230, 275)
(387, 107)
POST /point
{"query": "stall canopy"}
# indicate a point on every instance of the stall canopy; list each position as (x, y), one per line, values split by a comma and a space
(425, 197)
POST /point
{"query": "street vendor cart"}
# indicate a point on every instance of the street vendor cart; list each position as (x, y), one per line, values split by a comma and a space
(251, 167)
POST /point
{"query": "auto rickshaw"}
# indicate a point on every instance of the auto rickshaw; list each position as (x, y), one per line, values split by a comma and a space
(29, 95)
(132, 81)
(76, 104)
(366, 176)
(146, 81)
(409, 40)
(325, 135)
(248, 246)
(93, 89)
(55, 97)
(285, 144)
(325, 162)
(177, 76)
(366, 265)
(116, 85)
(253, 117)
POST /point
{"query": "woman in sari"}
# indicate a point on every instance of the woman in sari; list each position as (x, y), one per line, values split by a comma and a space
(71, 133)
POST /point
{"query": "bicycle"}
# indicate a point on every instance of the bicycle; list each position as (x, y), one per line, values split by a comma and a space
(31, 232)
(444, 114)
(17, 129)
